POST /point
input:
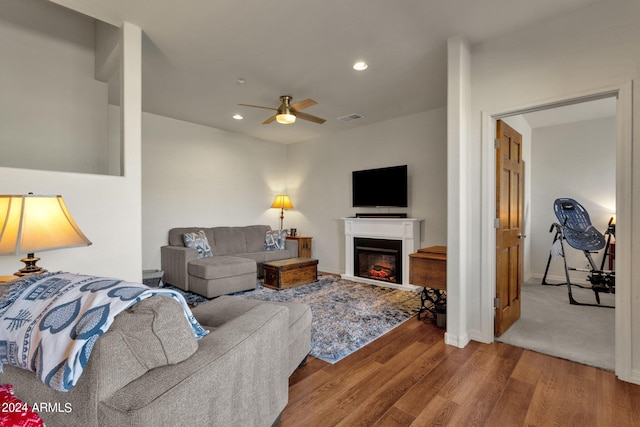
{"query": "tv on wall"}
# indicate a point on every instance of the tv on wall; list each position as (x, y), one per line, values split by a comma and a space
(383, 187)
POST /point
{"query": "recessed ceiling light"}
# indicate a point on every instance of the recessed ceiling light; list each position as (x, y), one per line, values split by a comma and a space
(238, 117)
(360, 66)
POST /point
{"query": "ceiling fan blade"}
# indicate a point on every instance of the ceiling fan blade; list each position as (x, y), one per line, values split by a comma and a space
(269, 120)
(259, 106)
(309, 117)
(303, 104)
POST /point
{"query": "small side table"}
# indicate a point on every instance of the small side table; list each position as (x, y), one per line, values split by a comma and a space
(428, 268)
(304, 245)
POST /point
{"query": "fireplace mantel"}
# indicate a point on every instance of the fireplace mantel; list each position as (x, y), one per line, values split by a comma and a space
(405, 229)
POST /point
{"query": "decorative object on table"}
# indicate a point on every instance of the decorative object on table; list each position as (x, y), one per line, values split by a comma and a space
(293, 232)
(34, 223)
(282, 202)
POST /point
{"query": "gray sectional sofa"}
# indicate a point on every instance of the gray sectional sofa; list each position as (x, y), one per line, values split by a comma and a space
(238, 256)
(149, 370)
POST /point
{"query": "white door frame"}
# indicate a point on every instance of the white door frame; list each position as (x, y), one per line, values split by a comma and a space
(624, 130)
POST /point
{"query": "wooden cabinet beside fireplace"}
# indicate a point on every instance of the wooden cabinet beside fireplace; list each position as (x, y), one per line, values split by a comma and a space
(428, 267)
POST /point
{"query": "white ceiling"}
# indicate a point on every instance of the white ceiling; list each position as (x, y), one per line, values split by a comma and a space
(195, 51)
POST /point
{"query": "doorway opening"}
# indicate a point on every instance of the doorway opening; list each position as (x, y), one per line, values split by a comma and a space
(570, 152)
(622, 331)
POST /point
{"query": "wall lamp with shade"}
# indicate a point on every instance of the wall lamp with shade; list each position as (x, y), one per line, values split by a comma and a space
(282, 202)
(34, 223)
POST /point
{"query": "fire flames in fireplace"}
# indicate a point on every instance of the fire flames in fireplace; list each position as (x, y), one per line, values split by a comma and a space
(385, 272)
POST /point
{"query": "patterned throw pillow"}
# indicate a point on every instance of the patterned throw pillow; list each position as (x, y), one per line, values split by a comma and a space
(198, 242)
(15, 412)
(274, 240)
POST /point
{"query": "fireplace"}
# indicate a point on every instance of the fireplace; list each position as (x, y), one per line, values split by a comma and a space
(378, 259)
(403, 230)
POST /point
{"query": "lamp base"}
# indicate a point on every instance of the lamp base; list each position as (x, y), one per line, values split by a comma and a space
(30, 266)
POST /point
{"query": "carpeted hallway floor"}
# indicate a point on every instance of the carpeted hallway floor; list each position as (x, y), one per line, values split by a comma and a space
(550, 325)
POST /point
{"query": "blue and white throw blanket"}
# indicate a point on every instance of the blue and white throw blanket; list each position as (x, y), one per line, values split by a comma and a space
(50, 322)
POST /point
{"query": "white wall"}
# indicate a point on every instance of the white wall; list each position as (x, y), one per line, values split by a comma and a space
(199, 176)
(594, 48)
(53, 113)
(575, 160)
(319, 179)
(106, 208)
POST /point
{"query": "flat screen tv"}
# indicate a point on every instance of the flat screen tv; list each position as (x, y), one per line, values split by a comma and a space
(383, 187)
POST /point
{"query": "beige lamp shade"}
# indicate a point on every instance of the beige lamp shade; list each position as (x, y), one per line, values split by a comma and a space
(282, 201)
(34, 223)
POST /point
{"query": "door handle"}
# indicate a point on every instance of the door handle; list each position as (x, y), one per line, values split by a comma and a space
(521, 236)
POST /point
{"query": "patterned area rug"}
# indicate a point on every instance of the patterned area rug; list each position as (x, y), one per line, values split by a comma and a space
(346, 315)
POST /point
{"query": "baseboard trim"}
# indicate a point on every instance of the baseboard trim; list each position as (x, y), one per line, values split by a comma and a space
(456, 341)
(635, 377)
(561, 280)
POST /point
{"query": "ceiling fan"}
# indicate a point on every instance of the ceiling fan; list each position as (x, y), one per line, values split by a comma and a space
(287, 112)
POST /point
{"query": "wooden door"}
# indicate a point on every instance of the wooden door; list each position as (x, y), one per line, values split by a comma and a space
(510, 230)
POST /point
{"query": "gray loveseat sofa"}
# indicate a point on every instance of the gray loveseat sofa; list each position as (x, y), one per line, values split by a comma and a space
(238, 255)
(149, 370)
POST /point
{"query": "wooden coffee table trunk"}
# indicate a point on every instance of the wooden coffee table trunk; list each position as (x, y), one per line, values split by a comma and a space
(288, 273)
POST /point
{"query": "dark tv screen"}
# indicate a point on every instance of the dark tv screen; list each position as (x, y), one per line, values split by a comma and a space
(384, 187)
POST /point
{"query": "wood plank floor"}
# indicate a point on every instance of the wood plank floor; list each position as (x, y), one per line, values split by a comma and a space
(409, 377)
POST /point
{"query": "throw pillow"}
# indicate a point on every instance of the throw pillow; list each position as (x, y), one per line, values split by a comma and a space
(274, 240)
(14, 411)
(198, 242)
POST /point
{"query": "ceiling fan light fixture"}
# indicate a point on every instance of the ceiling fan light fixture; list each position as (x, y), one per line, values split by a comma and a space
(286, 118)
(360, 66)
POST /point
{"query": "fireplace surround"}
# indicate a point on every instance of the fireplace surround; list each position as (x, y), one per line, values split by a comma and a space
(404, 231)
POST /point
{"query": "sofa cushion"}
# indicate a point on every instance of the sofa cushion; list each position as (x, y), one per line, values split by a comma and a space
(217, 312)
(221, 266)
(156, 331)
(228, 240)
(254, 237)
(199, 242)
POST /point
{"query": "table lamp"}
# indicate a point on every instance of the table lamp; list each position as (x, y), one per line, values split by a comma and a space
(282, 202)
(34, 223)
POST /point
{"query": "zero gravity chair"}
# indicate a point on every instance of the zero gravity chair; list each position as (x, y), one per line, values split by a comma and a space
(575, 228)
